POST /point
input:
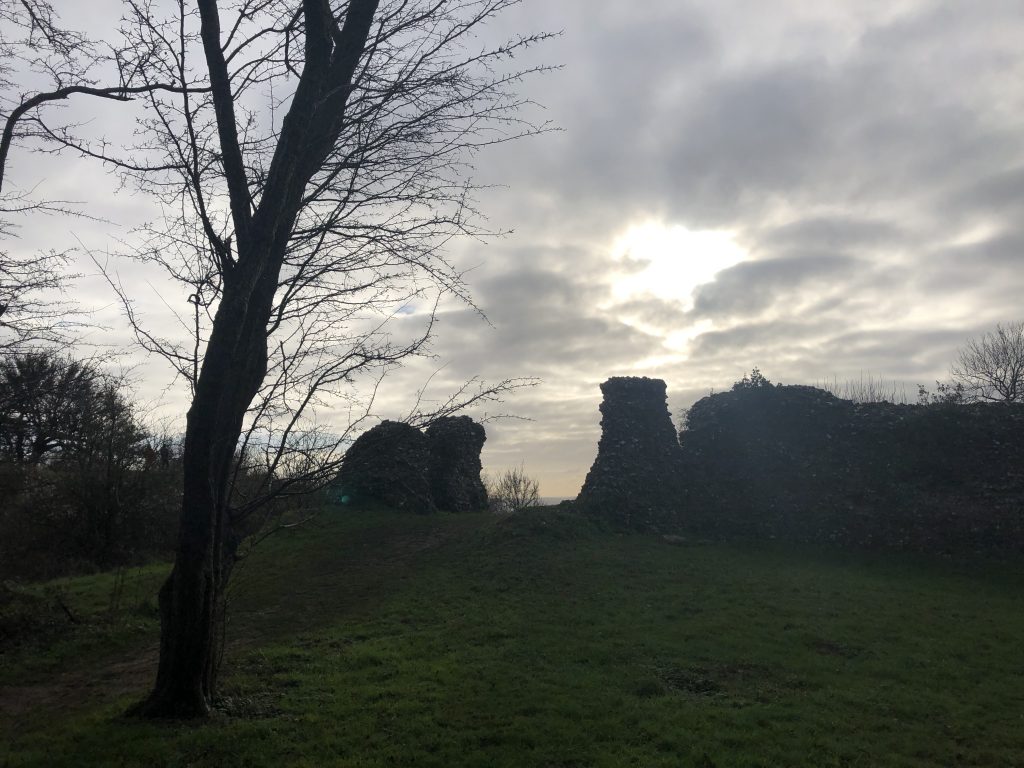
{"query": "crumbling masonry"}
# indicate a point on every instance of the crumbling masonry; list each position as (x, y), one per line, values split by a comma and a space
(398, 465)
(633, 481)
(454, 444)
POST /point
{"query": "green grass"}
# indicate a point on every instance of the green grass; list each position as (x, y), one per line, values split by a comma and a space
(377, 639)
(108, 618)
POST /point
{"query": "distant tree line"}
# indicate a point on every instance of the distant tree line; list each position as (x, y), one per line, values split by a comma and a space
(84, 484)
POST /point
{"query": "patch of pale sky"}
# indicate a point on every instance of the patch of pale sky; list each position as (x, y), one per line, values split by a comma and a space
(669, 261)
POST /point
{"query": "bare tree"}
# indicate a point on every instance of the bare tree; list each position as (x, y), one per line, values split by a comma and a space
(512, 491)
(310, 160)
(867, 389)
(991, 367)
(43, 64)
(30, 313)
(32, 43)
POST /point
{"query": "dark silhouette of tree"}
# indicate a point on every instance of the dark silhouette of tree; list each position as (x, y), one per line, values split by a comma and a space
(32, 41)
(946, 393)
(991, 367)
(513, 491)
(309, 224)
(64, 63)
(73, 476)
(45, 405)
(756, 380)
(310, 159)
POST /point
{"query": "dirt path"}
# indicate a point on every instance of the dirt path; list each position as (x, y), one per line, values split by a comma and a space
(71, 690)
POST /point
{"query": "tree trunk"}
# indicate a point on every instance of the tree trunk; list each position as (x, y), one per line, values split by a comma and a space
(235, 359)
(192, 599)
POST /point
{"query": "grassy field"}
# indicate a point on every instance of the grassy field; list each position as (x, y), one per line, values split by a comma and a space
(378, 639)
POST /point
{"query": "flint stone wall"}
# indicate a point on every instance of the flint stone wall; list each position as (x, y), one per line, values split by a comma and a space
(634, 479)
(454, 444)
(388, 463)
(797, 463)
(400, 466)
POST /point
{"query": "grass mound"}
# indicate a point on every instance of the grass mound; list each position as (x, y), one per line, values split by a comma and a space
(380, 639)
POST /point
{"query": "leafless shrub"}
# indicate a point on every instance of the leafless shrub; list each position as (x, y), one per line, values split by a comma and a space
(867, 389)
(512, 491)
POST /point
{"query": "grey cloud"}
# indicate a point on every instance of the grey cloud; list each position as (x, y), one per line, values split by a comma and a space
(748, 134)
(753, 286)
(544, 320)
(999, 194)
(653, 311)
(742, 339)
(969, 269)
(1005, 249)
(901, 353)
(805, 355)
(717, 146)
(834, 232)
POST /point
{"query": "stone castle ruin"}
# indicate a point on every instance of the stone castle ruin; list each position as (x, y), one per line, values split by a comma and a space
(633, 479)
(400, 466)
(798, 463)
(454, 444)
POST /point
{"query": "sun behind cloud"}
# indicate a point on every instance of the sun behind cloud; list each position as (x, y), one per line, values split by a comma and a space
(658, 267)
(669, 261)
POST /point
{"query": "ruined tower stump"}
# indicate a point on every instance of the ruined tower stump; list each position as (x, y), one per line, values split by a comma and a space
(389, 463)
(634, 479)
(455, 443)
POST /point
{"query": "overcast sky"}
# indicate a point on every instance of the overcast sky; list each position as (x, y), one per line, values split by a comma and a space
(822, 190)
